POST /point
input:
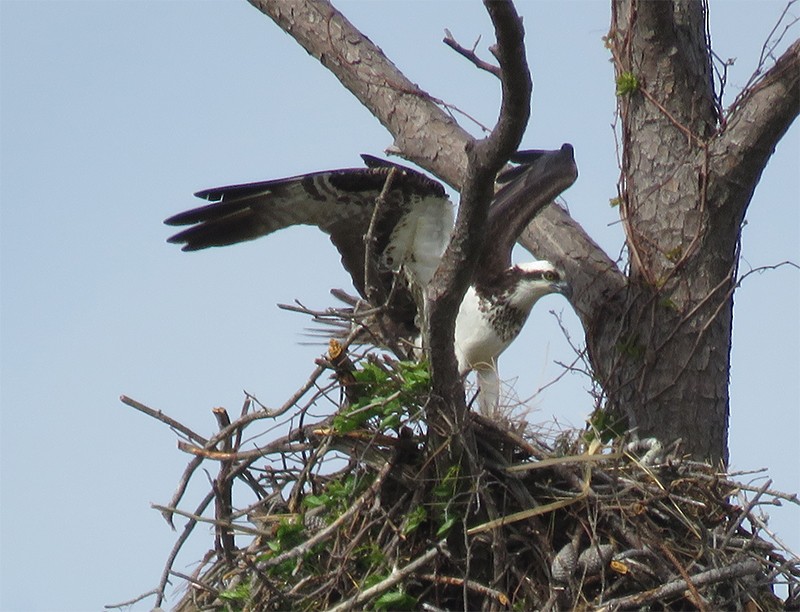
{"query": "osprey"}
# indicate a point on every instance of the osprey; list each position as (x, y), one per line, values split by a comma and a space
(391, 225)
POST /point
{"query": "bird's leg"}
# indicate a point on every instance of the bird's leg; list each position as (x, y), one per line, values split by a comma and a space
(489, 389)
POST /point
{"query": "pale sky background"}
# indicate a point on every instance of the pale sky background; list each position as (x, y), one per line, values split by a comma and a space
(114, 113)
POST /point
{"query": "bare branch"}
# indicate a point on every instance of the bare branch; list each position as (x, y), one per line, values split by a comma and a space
(485, 158)
(223, 493)
(394, 578)
(756, 124)
(750, 567)
(187, 530)
(301, 549)
(160, 416)
(130, 602)
(469, 54)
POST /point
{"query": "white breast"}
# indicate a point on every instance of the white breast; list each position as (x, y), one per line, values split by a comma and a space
(477, 345)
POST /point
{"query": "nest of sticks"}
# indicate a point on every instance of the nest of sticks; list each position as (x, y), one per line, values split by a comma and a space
(346, 512)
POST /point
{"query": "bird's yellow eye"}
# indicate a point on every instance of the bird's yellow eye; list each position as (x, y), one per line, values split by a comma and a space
(551, 276)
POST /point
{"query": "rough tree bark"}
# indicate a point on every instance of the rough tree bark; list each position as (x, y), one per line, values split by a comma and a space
(685, 184)
(658, 336)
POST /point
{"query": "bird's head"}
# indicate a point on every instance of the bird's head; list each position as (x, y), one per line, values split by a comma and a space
(536, 279)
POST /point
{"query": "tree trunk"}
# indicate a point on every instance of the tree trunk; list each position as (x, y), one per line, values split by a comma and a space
(664, 358)
(659, 338)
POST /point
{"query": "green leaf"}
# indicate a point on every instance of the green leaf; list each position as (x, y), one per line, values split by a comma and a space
(395, 600)
(627, 83)
(315, 501)
(415, 518)
(446, 526)
(345, 422)
(604, 426)
(238, 593)
(390, 422)
(447, 487)
(371, 580)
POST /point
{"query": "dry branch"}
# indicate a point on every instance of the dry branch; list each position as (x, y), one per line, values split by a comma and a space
(394, 578)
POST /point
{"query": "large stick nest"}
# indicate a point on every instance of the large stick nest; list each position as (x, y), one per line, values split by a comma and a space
(348, 512)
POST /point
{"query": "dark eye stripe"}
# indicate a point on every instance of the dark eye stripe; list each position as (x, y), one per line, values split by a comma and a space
(548, 275)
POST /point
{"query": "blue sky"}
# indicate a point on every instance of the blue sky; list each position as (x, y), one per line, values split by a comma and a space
(114, 113)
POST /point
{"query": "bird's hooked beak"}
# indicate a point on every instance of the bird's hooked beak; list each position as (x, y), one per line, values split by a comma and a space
(562, 287)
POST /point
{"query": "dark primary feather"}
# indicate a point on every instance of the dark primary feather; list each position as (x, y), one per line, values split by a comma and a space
(339, 202)
(523, 159)
(527, 188)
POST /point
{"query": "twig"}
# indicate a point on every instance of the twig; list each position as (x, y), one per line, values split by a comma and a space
(744, 513)
(396, 576)
(735, 570)
(370, 287)
(130, 602)
(764, 527)
(183, 484)
(790, 497)
(303, 548)
(471, 585)
(767, 50)
(546, 463)
(187, 529)
(525, 514)
(160, 416)
(199, 518)
(698, 599)
(282, 446)
(195, 582)
(470, 54)
(223, 494)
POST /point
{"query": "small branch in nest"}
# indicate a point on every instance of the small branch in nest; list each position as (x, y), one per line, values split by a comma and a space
(698, 600)
(763, 526)
(130, 602)
(223, 494)
(195, 582)
(525, 514)
(471, 585)
(745, 512)
(282, 447)
(303, 548)
(546, 463)
(470, 54)
(199, 518)
(160, 416)
(183, 483)
(396, 576)
(750, 567)
(187, 529)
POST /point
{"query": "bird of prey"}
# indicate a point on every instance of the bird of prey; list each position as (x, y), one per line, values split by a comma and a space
(391, 225)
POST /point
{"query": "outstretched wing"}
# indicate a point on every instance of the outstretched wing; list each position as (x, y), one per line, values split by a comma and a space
(409, 230)
(525, 189)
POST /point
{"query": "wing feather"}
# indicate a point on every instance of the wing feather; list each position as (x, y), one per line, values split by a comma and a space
(527, 188)
(341, 203)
